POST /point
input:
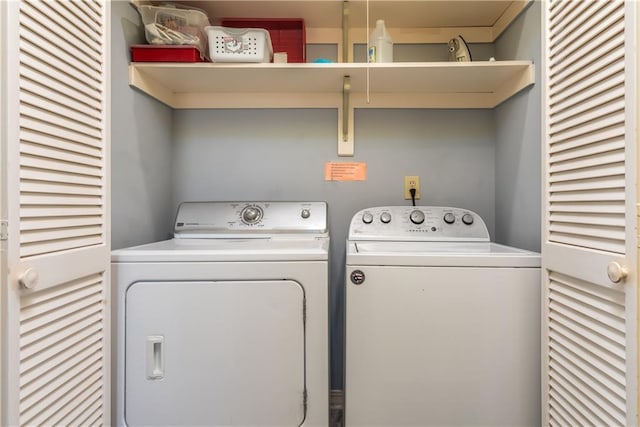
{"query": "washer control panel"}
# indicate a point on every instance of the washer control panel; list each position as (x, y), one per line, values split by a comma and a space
(252, 219)
(418, 223)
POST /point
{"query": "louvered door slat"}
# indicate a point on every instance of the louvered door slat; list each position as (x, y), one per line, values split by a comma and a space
(56, 211)
(31, 174)
(586, 15)
(611, 195)
(59, 222)
(573, 218)
(36, 236)
(51, 152)
(588, 184)
(44, 187)
(572, 99)
(589, 207)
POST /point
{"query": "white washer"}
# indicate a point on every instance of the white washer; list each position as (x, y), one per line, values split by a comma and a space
(226, 324)
(442, 325)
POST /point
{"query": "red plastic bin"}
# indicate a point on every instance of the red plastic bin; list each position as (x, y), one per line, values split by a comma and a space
(165, 53)
(287, 34)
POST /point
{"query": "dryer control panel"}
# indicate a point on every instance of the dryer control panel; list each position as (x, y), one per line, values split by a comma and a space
(418, 223)
(250, 219)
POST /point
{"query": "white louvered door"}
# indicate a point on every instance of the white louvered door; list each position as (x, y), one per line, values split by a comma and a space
(57, 187)
(590, 321)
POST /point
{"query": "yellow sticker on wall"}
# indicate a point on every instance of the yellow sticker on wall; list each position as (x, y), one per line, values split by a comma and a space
(345, 171)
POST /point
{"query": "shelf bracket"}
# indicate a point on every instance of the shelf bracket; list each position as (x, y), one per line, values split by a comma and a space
(345, 118)
(345, 32)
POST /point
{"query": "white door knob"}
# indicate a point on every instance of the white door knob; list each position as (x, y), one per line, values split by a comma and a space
(616, 272)
(29, 278)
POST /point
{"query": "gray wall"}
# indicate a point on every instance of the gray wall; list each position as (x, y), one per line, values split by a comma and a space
(518, 142)
(141, 209)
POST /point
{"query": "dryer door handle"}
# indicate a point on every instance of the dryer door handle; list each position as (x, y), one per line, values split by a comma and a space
(155, 357)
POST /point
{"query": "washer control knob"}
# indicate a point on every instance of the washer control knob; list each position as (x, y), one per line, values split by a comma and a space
(305, 213)
(367, 218)
(251, 214)
(467, 219)
(416, 216)
(385, 217)
(449, 218)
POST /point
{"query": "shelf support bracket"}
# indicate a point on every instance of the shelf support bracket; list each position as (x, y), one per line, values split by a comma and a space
(345, 118)
(346, 49)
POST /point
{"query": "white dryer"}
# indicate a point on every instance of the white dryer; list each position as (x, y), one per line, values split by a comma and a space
(442, 325)
(226, 324)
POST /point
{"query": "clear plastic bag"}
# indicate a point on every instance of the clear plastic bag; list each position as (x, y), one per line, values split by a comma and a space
(172, 25)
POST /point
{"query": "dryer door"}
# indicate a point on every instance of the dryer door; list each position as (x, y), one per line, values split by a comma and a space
(215, 353)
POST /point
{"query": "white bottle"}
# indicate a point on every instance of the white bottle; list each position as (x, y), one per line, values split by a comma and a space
(380, 44)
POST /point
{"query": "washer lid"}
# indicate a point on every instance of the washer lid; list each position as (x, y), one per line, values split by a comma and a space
(439, 254)
(212, 250)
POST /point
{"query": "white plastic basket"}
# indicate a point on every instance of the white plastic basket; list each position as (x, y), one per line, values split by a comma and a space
(239, 44)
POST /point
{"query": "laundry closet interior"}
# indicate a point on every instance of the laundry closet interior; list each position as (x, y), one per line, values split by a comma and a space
(481, 158)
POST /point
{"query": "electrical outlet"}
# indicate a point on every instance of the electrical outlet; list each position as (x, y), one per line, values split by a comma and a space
(409, 183)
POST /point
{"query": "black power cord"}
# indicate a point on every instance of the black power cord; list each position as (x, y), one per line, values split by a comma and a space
(412, 191)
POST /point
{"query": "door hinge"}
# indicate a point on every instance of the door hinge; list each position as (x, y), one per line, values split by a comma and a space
(304, 312)
(4, 230)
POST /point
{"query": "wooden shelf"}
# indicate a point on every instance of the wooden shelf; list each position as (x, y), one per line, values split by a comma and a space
(395, 85)
(347, 85)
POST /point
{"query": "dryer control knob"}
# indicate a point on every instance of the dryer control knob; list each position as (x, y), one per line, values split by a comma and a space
(251, 215)
(385, 217)
(449, 218)
(467, 219)
(367, 218)
(305, 213)
(416, 216)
